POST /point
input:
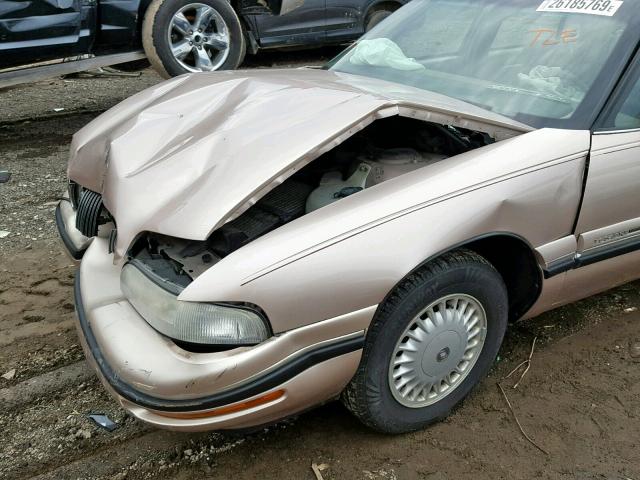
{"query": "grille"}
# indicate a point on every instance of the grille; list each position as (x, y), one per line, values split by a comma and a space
(88, 214)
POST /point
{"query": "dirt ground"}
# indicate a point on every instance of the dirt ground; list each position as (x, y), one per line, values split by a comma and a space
(578, 402)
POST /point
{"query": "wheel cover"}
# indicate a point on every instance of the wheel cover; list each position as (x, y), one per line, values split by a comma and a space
(437, 350)
(199, 38)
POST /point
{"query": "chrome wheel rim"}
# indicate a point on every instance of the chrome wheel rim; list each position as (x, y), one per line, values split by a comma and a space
(437, 350)
(199, 38)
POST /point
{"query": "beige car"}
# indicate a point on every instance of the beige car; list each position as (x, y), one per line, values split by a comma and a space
(256, 243)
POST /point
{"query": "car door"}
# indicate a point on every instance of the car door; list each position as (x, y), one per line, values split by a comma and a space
(33, 30)
(608, 226)
(345, 18)
(299, 22)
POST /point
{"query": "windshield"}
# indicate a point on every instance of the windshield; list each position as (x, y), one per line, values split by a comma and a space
(545, 63)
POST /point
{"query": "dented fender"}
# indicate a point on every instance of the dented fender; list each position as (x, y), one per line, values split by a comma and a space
(528, 186)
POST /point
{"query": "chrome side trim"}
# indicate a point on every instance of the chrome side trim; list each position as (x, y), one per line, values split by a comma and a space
(593, 255)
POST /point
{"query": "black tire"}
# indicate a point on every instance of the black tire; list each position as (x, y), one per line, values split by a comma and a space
(155, 39)
(134, 66)
(375, 17)
(368, 396)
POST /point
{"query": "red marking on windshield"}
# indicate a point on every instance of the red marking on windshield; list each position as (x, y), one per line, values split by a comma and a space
(548, 37)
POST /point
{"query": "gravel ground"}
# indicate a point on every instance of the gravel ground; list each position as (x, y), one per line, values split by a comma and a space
(578, 401)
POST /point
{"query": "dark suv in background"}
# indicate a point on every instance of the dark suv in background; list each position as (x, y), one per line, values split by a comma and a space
(178, 36)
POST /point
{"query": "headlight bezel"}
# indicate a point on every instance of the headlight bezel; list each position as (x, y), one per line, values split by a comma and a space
(203, 324)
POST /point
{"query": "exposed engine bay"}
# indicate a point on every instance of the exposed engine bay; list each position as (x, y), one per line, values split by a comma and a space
(384, 150)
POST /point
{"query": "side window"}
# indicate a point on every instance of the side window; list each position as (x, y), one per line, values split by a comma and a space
(625, 114)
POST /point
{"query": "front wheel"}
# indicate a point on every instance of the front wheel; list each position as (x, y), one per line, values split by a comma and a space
(430, 343)
(181, 36)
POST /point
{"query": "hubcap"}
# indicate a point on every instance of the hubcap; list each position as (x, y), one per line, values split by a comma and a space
(437, 350)
(199, 38)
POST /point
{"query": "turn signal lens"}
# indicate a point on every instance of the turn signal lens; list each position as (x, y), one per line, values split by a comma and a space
(236, 407)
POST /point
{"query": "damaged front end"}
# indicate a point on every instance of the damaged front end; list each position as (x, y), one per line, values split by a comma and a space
(386, 149)
(194, 153)
(190, 324)
(182, 178)
(175, 185)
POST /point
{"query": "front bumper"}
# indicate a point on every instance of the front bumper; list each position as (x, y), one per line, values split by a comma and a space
(74, 241)
(164, 385)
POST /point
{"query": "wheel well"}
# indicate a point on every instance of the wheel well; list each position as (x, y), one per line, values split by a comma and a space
(143, 5)
(384, 5)
(515, 260)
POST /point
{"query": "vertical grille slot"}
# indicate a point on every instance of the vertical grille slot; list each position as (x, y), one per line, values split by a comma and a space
(88, 214)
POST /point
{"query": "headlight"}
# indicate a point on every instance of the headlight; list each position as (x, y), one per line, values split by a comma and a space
(193, 322)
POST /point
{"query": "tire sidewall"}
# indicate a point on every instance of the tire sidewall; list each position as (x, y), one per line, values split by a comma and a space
(155, 34)
(479, 281)
(375, 17)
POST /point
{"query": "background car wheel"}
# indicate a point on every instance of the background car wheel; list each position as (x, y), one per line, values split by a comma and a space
(376, 16)
(181, 36)
(432, 340)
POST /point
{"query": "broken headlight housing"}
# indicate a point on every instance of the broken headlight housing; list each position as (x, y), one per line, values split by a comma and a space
(74, 190)
(191, 322)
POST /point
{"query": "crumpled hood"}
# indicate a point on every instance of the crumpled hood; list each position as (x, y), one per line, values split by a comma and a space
(189, 154)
